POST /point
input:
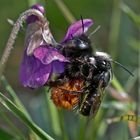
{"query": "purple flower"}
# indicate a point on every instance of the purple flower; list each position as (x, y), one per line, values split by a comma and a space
(38, 68)
(76, 29)
(41, 59)
(33, 18)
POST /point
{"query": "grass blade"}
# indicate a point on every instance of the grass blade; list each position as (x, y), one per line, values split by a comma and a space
(117, 84)
(136, 138)
(15, 110)
(65, 11)
(13, 96)
(53, 114)
(17, 134)
(115, 28)
(5, 136)
(134, 17)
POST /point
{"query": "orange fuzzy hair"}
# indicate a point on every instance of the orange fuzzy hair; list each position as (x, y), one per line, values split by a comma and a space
(62, 97)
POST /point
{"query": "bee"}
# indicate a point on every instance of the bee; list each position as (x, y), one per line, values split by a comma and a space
(63, 95)
(78, 46)
(83, 83)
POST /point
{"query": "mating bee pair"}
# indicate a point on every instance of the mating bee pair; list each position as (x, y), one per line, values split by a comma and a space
(81, 76)
(86, 76)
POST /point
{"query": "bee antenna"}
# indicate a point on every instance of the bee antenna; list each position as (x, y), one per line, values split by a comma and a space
(93, 32)
(119, 64)
(82, 23)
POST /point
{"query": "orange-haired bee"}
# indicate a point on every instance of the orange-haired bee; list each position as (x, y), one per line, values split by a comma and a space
(82, 84)
(63, 95)
(85, 77)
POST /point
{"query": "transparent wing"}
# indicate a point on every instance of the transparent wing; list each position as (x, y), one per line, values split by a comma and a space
(97, 99)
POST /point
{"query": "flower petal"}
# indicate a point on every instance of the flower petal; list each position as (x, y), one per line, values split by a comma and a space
(33, 38)
(58, 67)
(39, 8)
(33, 18)
(33, 73)
(48, 54)
(76, 28)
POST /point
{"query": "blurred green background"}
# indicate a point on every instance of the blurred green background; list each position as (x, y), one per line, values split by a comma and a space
(119, 36)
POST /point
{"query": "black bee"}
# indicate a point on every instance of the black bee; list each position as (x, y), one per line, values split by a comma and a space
(98, 78)
(94, 74)
(83, 82)
(78, 46)
(85, 78)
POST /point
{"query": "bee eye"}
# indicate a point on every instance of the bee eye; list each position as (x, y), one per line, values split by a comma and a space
(104, 63)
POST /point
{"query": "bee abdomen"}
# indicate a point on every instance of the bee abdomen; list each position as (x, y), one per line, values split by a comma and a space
(90, 104)
(85, 108)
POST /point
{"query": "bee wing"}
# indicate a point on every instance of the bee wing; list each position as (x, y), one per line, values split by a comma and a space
(33, 37)
(97, 100)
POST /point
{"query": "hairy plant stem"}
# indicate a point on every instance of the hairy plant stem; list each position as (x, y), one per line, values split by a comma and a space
(13, 35)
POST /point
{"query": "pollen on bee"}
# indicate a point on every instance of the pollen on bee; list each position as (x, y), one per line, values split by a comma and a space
(66, 95)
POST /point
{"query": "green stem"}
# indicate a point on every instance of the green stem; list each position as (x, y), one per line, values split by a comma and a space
(62, 124)
(139, 75)
(82, 128)
(54, 116)
(115, 28)
(17, 134)
(14, 96)
(117, 84)
(65, 11)
(15, 110)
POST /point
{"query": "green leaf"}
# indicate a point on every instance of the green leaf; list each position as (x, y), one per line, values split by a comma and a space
(134, 43)
(131, 14)
(65, 11)
(118, 106)
(32, 2)
(136, 138)
(54, 115)
(5, 136)
(13, 96)
(14, 130)
(117, 84)
(15, 110)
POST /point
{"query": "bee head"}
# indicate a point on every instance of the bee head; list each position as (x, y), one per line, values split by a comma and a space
(101, 60)
(81, 42)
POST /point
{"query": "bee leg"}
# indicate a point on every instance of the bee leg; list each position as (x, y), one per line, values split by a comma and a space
(90, 75)
(72, 92)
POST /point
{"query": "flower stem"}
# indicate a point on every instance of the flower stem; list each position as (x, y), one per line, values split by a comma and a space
(115, 28)
(13, 35)
(67, 14)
